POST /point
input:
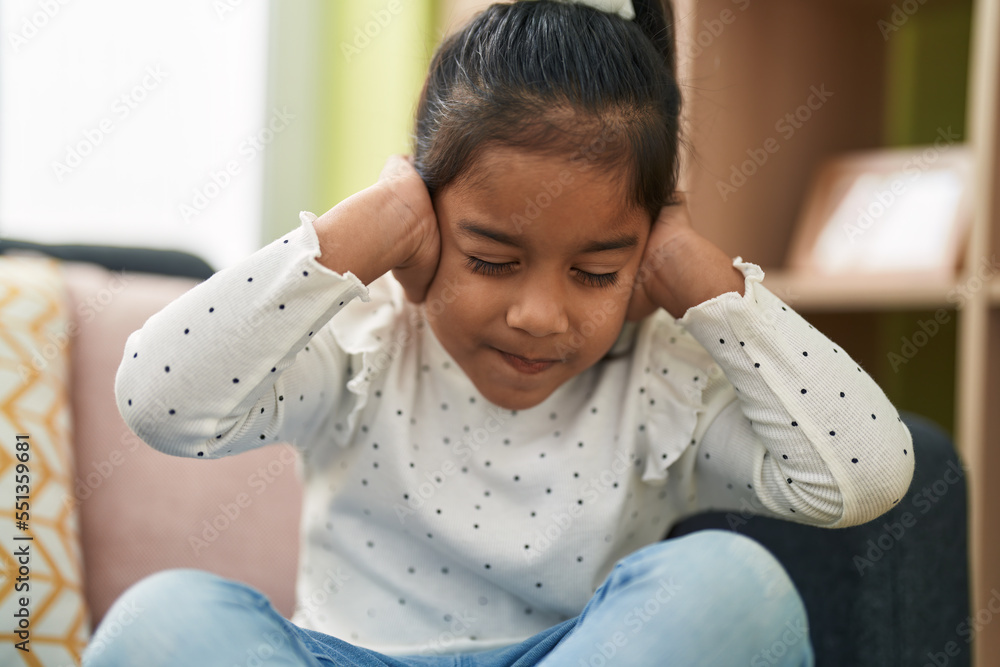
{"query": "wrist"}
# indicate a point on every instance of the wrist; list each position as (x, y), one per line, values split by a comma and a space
(726, 279)
(364, 235)
(690, 272)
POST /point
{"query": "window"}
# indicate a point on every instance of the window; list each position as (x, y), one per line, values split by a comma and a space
(132, 123)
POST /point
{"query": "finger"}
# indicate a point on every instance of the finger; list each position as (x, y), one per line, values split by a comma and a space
(395, 165)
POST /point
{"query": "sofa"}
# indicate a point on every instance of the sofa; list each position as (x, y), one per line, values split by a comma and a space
(890, 592)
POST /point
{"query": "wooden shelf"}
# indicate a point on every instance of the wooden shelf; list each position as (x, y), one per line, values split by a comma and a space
(856, 293)
(890, 89)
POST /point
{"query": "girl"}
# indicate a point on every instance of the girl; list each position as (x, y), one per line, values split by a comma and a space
(495, 438)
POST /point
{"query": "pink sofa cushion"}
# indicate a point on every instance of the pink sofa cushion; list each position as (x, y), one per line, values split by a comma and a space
(142, 511)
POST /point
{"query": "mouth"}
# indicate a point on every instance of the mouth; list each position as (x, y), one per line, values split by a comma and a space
(527, 365)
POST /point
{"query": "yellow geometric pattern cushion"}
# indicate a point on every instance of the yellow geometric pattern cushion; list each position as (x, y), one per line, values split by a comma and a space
(45, 571)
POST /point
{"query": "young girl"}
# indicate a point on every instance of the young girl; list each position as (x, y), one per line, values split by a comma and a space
(509, 366)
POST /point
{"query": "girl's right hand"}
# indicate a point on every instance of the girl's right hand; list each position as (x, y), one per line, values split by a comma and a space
(417, 270)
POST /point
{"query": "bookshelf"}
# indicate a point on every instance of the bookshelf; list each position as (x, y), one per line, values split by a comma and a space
(879, 76)
(890, 88)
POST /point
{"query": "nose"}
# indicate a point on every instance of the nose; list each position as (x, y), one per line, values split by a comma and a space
(539, 311)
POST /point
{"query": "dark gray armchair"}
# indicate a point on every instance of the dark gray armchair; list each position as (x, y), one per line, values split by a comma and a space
(893, 592)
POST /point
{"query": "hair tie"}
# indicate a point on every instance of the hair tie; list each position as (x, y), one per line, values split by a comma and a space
(623, 8)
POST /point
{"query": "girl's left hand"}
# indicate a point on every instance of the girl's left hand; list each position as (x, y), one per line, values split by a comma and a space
(680, 268)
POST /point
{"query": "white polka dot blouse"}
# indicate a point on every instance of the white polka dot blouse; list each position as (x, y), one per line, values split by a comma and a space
(435, 521)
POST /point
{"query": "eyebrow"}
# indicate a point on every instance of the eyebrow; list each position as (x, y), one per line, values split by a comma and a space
(469, 228)
(617, 243)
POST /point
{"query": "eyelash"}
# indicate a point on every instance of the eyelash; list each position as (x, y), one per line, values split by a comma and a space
(482, 267)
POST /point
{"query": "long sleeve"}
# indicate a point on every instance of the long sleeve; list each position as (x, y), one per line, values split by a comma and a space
(243, 359)
(793, 427)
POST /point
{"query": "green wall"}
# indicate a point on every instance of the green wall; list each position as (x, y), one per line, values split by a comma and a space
(926, 88)
(351, 71)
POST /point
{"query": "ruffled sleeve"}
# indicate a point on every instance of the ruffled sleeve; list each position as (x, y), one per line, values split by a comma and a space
(778, 419)
(250, 357)
(672, 374)
(371, 333)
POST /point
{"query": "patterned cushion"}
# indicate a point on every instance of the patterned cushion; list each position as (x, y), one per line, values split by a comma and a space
(35, 342)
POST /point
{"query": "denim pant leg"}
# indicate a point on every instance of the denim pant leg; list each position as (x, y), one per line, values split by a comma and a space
(192, 617)
(711, 598)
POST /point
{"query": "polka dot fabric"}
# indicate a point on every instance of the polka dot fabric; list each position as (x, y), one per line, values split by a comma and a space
(820, 442)
(430, 513)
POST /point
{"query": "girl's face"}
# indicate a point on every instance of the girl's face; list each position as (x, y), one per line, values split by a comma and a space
(538, 259)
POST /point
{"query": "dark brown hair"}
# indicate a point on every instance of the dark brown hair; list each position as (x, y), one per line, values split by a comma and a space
(560, 79)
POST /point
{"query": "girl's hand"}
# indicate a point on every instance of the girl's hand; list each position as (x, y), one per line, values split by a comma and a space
(680, 268)
(416, 271)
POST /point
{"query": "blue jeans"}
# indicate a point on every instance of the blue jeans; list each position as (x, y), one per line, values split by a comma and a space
(710, 598)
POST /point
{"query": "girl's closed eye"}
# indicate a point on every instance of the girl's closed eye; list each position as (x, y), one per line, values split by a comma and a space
(598, 279)
(485, 268)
